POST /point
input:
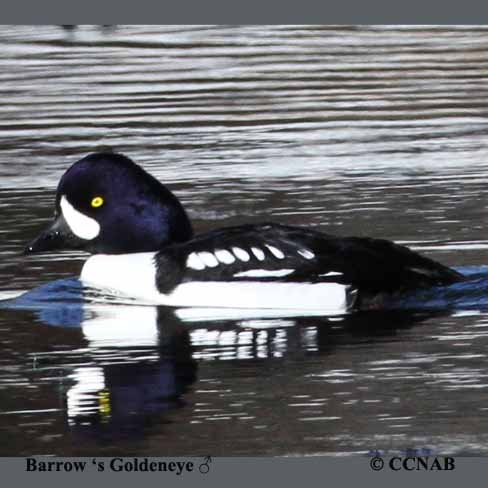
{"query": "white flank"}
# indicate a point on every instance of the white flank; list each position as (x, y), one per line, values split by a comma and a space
(261, 273)
(209, 259)
(201, 314)
(328, 297)
(225, 256)
(259, 253)
(306, 253)
(241, 254)
(275, 251)
(194, 262)
(80, 224)
(332, 273)
(134, 275)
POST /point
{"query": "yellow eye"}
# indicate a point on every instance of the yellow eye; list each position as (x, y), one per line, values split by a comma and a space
(97, 202)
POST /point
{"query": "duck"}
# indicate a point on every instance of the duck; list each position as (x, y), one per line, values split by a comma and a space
(144, 247)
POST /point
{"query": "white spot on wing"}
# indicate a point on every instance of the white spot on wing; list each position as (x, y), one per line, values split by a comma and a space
(194, 262)
(275, 251)
(241, 254)
(261, 273)
(258, 253)
(332, 273)
(208, 258)
(306, 253)
(80, 224)
(224, 256)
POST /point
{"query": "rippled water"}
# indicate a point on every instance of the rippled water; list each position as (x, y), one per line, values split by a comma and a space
(354, 131)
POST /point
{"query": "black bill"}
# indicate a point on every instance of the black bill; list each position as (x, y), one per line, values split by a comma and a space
(56, 237)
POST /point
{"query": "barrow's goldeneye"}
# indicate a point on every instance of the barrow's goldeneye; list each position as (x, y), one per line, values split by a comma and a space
(145, 248)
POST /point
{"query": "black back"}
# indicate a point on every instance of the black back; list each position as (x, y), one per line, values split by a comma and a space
(371, 265)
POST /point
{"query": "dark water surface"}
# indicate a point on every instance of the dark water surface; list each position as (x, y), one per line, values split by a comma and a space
(364, 131)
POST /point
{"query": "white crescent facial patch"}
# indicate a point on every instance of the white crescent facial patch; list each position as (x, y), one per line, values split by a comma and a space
(81, 225)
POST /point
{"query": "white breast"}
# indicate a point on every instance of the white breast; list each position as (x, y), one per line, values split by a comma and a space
(134, 275)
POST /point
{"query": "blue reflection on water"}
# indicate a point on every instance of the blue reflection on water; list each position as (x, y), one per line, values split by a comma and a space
(471, 294)
(58, 303)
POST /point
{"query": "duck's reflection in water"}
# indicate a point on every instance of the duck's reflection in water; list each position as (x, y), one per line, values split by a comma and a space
(141, 366)
(136, 363)
(146, 358)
